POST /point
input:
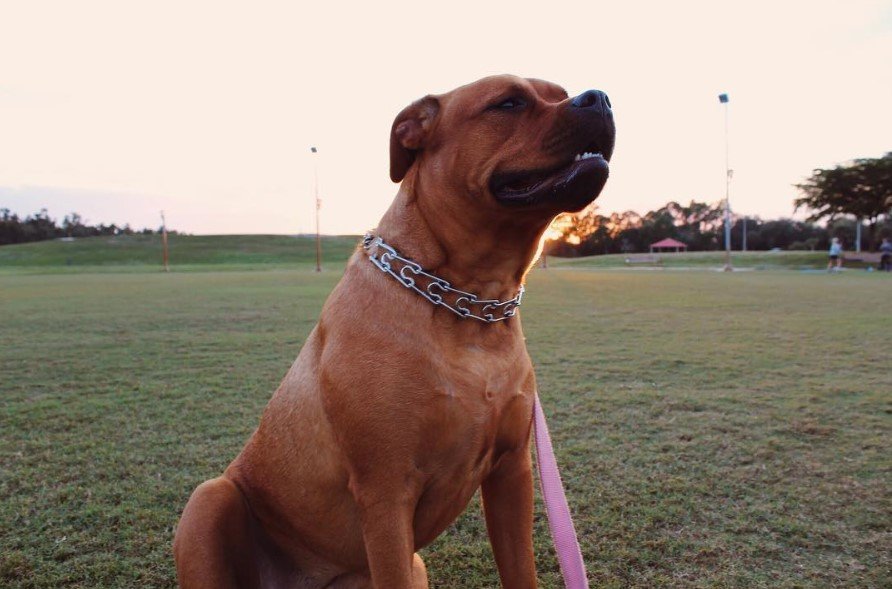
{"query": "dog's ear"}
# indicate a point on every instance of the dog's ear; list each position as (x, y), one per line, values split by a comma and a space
(409, 134)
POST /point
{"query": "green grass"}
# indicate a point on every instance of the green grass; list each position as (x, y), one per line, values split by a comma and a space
(142, 253)
(686, 260)
(714, 430)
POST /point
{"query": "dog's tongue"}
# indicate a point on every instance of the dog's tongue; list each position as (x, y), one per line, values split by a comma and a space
(523, 184)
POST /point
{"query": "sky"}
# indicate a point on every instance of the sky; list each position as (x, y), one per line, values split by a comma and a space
(207, 110)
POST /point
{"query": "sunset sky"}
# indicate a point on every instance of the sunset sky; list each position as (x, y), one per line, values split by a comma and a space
(207, 110)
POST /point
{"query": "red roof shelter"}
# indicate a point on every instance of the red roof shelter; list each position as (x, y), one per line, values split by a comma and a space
(668, 244)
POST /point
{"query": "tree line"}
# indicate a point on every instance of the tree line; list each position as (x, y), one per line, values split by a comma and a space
(40, 226)
(699, 225)
(861, 188)
(858, 191)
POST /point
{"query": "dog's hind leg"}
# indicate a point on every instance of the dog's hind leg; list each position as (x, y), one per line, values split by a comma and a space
(213, 547)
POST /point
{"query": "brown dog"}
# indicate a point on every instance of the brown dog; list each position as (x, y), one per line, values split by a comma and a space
(397, 410)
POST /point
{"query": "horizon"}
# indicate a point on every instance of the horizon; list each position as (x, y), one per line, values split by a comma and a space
(311, 234)
(209, 112)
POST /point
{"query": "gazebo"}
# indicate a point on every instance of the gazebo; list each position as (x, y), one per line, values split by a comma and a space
(667, 245)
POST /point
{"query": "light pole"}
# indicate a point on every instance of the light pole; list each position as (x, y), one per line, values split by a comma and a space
(723, 99)
(858, 234)
(318, 206)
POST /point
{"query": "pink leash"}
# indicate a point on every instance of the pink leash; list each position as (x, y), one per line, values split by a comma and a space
(559, 520)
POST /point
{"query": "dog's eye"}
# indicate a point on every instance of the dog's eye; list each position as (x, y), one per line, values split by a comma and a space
(508, 104)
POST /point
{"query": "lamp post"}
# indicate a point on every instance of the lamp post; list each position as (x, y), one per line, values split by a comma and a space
(723, 99)
(318, 206)
(858, 234)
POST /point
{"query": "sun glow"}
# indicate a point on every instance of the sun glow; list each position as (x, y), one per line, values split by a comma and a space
(560, 228)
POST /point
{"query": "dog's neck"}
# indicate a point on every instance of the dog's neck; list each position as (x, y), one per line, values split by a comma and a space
(489, 261)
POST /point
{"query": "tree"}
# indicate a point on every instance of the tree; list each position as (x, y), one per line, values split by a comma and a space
(73, 225)
(574, 228)
(862, 188)
(698, 224)
(40, 226)
(11, 230)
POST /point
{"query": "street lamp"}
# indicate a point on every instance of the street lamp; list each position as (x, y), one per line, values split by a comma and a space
(318, 206)
(723, 99)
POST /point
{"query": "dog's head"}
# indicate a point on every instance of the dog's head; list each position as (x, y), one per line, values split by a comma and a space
(510, 144)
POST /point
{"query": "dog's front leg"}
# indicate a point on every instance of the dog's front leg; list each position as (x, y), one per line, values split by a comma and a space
(386, 514)
(508, 506)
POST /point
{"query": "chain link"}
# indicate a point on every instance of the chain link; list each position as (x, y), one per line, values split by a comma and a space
(438, 290)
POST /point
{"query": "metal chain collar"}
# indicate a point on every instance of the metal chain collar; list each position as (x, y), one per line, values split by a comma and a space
(437, 290)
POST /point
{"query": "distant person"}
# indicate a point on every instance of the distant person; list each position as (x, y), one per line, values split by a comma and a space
(835, 256)
(886, 255)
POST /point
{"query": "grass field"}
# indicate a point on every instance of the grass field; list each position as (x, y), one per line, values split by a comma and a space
(714, 430)
(781, 260)
(142, 253)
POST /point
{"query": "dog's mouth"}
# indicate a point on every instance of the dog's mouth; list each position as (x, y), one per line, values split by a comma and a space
(572, 185)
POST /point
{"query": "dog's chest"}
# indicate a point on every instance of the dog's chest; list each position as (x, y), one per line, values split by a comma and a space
(475, 415)
(480, 406)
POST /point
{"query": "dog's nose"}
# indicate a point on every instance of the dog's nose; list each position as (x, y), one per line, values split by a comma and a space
(592, 99)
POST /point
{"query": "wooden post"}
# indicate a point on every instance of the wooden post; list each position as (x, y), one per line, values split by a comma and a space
(318, 206)
(164, 255)
(318, 239)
